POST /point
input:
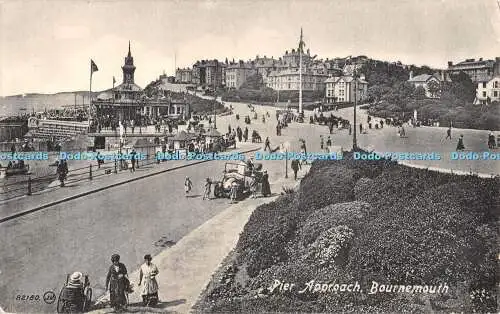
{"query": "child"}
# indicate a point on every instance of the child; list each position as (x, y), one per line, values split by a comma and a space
(188, 185)
(208, 185)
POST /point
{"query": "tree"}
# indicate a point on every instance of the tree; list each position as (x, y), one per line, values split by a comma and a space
(434, 88)
(419, 93)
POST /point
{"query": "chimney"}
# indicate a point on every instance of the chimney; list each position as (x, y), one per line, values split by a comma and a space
(450, 63)
(411, 75)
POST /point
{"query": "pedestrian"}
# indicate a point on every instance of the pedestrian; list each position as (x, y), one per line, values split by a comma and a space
(266, 188)
(460, 144)
(208, 189)
(321, 142)
(234, 191)
(229, 129)
(240, 133)
(278, 129)
(491, 141)
(330, 127)
(149, 291)
(329, 142)
(117, 283)
(295, 167)
(245, 134)
(133, 159)
(62, 170)
(360, 128)
(188, 185)
(381, 124)
(267, 144)
(448, 133)
(350, 129)
(253, 186)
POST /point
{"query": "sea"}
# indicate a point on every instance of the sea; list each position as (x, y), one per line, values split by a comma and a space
(26, 103)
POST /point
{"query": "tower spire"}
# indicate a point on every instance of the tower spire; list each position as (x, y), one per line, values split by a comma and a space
(129, 54)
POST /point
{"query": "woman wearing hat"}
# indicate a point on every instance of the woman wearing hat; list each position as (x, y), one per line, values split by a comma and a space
(117, 282)
(148, 272)
(266, 188)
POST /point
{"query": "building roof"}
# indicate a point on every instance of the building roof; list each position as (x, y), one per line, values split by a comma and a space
(422, 78)
(143, 142)
(213, 133)
(346, 78)
(124, 87)
(105, 96)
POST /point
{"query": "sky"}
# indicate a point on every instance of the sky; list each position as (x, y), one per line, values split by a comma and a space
(46, 46)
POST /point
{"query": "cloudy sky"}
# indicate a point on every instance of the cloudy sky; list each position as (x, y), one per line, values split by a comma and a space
(46, 46)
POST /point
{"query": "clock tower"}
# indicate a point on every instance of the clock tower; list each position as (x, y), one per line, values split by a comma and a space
(128, 68)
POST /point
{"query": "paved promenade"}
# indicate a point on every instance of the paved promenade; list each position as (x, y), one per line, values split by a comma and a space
(186, 268)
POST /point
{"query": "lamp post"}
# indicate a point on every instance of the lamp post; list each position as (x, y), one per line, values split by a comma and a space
(354, 139)
(286, 146)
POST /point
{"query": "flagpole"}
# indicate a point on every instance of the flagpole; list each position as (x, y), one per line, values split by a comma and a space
(90, 94)
(300, 73)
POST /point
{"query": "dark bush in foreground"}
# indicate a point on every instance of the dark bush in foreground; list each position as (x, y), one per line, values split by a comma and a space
(264, 238)
(420, 227)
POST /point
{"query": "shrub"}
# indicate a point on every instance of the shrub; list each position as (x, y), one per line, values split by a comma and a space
(263, 241)
(350, 214)
(321, 188)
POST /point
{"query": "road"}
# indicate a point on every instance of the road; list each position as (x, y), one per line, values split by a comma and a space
(38, 250)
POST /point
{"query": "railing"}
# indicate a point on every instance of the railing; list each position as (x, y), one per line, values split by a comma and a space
(93, 171)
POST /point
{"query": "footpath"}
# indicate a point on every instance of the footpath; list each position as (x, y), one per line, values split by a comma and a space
(186, 268)
(24, 205)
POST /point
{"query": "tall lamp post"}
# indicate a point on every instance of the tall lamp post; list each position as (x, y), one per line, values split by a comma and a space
(215, 99)
(354, 139)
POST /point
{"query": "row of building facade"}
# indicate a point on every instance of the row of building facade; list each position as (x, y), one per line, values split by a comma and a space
(334, 76)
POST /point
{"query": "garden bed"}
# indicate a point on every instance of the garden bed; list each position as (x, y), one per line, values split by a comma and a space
(353, 221)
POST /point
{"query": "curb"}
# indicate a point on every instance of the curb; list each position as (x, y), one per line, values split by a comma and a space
(70, 198)
(104, 297)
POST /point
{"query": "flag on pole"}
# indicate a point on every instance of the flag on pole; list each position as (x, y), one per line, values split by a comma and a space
(114, 80)
(93, 67)
(302, 44)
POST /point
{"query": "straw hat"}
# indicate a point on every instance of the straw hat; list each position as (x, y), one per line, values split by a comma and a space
(76, 278)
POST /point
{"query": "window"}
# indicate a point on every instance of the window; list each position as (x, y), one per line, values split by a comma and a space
(495, 84)
(484, 85)
(495, 94)
(484, 94)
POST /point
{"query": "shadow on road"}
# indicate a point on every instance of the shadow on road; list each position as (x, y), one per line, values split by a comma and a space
(193, 196)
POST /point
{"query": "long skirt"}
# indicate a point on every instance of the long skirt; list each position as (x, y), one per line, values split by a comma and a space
(266, 188)
(117, 292)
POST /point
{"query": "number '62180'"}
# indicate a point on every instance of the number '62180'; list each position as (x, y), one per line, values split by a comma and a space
(27, 297)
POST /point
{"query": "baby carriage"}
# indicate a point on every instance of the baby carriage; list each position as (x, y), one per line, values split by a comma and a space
(76, 294)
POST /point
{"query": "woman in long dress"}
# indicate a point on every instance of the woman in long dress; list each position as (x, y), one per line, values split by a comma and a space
(149, 291)
(117, 282)
(266, 188)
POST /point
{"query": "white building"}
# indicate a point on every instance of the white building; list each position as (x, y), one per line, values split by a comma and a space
(288, 79)
(341, 89)
(237, 74)
(285, 75)
(424, 81)
(488, 91)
